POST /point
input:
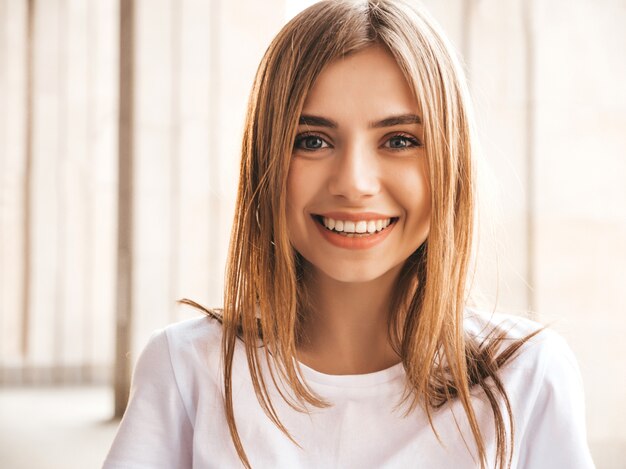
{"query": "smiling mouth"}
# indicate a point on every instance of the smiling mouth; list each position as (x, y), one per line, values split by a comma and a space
(355, 229)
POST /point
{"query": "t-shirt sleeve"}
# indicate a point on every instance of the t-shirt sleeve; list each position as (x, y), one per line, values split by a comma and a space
(555, 436)
(155, 431)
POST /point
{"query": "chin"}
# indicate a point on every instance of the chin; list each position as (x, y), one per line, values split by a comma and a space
(350, 274)
(352, 277)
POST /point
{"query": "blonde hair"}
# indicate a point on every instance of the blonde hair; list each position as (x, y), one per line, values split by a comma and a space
(265, 298)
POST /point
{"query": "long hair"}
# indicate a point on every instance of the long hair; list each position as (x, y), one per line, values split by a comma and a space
(265, 297)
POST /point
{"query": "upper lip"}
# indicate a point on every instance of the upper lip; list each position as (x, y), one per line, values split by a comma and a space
(351, 216)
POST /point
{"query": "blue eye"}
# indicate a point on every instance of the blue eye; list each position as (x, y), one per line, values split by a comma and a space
(401, 142)
(309, 142)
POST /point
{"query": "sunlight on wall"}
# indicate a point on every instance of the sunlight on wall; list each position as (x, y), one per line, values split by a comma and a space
(195, 64)
(293, 7)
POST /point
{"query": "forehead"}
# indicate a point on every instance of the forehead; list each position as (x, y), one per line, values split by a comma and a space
(365, 85)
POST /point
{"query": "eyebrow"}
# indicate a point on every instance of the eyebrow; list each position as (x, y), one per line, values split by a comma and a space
(317, 121)
(401, 119)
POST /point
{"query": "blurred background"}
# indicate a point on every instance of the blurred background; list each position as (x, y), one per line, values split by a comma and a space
(120, 128)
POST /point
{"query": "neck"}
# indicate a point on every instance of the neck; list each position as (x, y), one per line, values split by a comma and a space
(346, 330)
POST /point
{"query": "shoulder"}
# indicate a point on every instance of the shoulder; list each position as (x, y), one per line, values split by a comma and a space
(187, 348)
(542, 376)
(162, 410)
(541, 349)
(199, 334)
(202, 331)
(479, 323)
(546, 392)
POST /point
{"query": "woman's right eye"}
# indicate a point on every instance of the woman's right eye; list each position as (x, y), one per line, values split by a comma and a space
(310, 142)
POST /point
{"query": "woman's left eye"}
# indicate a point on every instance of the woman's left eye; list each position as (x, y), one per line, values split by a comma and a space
(400, 142)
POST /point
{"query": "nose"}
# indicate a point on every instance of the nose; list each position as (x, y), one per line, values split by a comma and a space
(356, 174)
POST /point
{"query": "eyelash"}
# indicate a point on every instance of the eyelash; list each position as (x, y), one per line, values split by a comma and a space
(300, 138)
(415, 143)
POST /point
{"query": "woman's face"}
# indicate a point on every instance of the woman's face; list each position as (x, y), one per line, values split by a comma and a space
(358, 200)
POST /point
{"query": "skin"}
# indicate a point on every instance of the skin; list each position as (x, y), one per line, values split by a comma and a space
(353, 168)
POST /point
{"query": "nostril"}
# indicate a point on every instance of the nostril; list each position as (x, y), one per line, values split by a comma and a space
(354, 188)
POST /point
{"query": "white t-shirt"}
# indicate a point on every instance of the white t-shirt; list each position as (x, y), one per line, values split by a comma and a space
(175, 417)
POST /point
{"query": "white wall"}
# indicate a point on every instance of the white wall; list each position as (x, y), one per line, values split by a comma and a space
(195, 62)
(578, 198)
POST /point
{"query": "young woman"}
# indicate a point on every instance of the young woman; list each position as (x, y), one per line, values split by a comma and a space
(345, 338)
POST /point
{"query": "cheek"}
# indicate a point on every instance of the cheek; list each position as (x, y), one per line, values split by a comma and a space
(423, 191)
(413, 189)
(424, 199)
(305, 181)
(298, 195)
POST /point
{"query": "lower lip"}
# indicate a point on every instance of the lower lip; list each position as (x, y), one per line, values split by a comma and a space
(357, 242)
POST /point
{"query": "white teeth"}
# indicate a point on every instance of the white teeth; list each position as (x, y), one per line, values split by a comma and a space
(360, 227)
